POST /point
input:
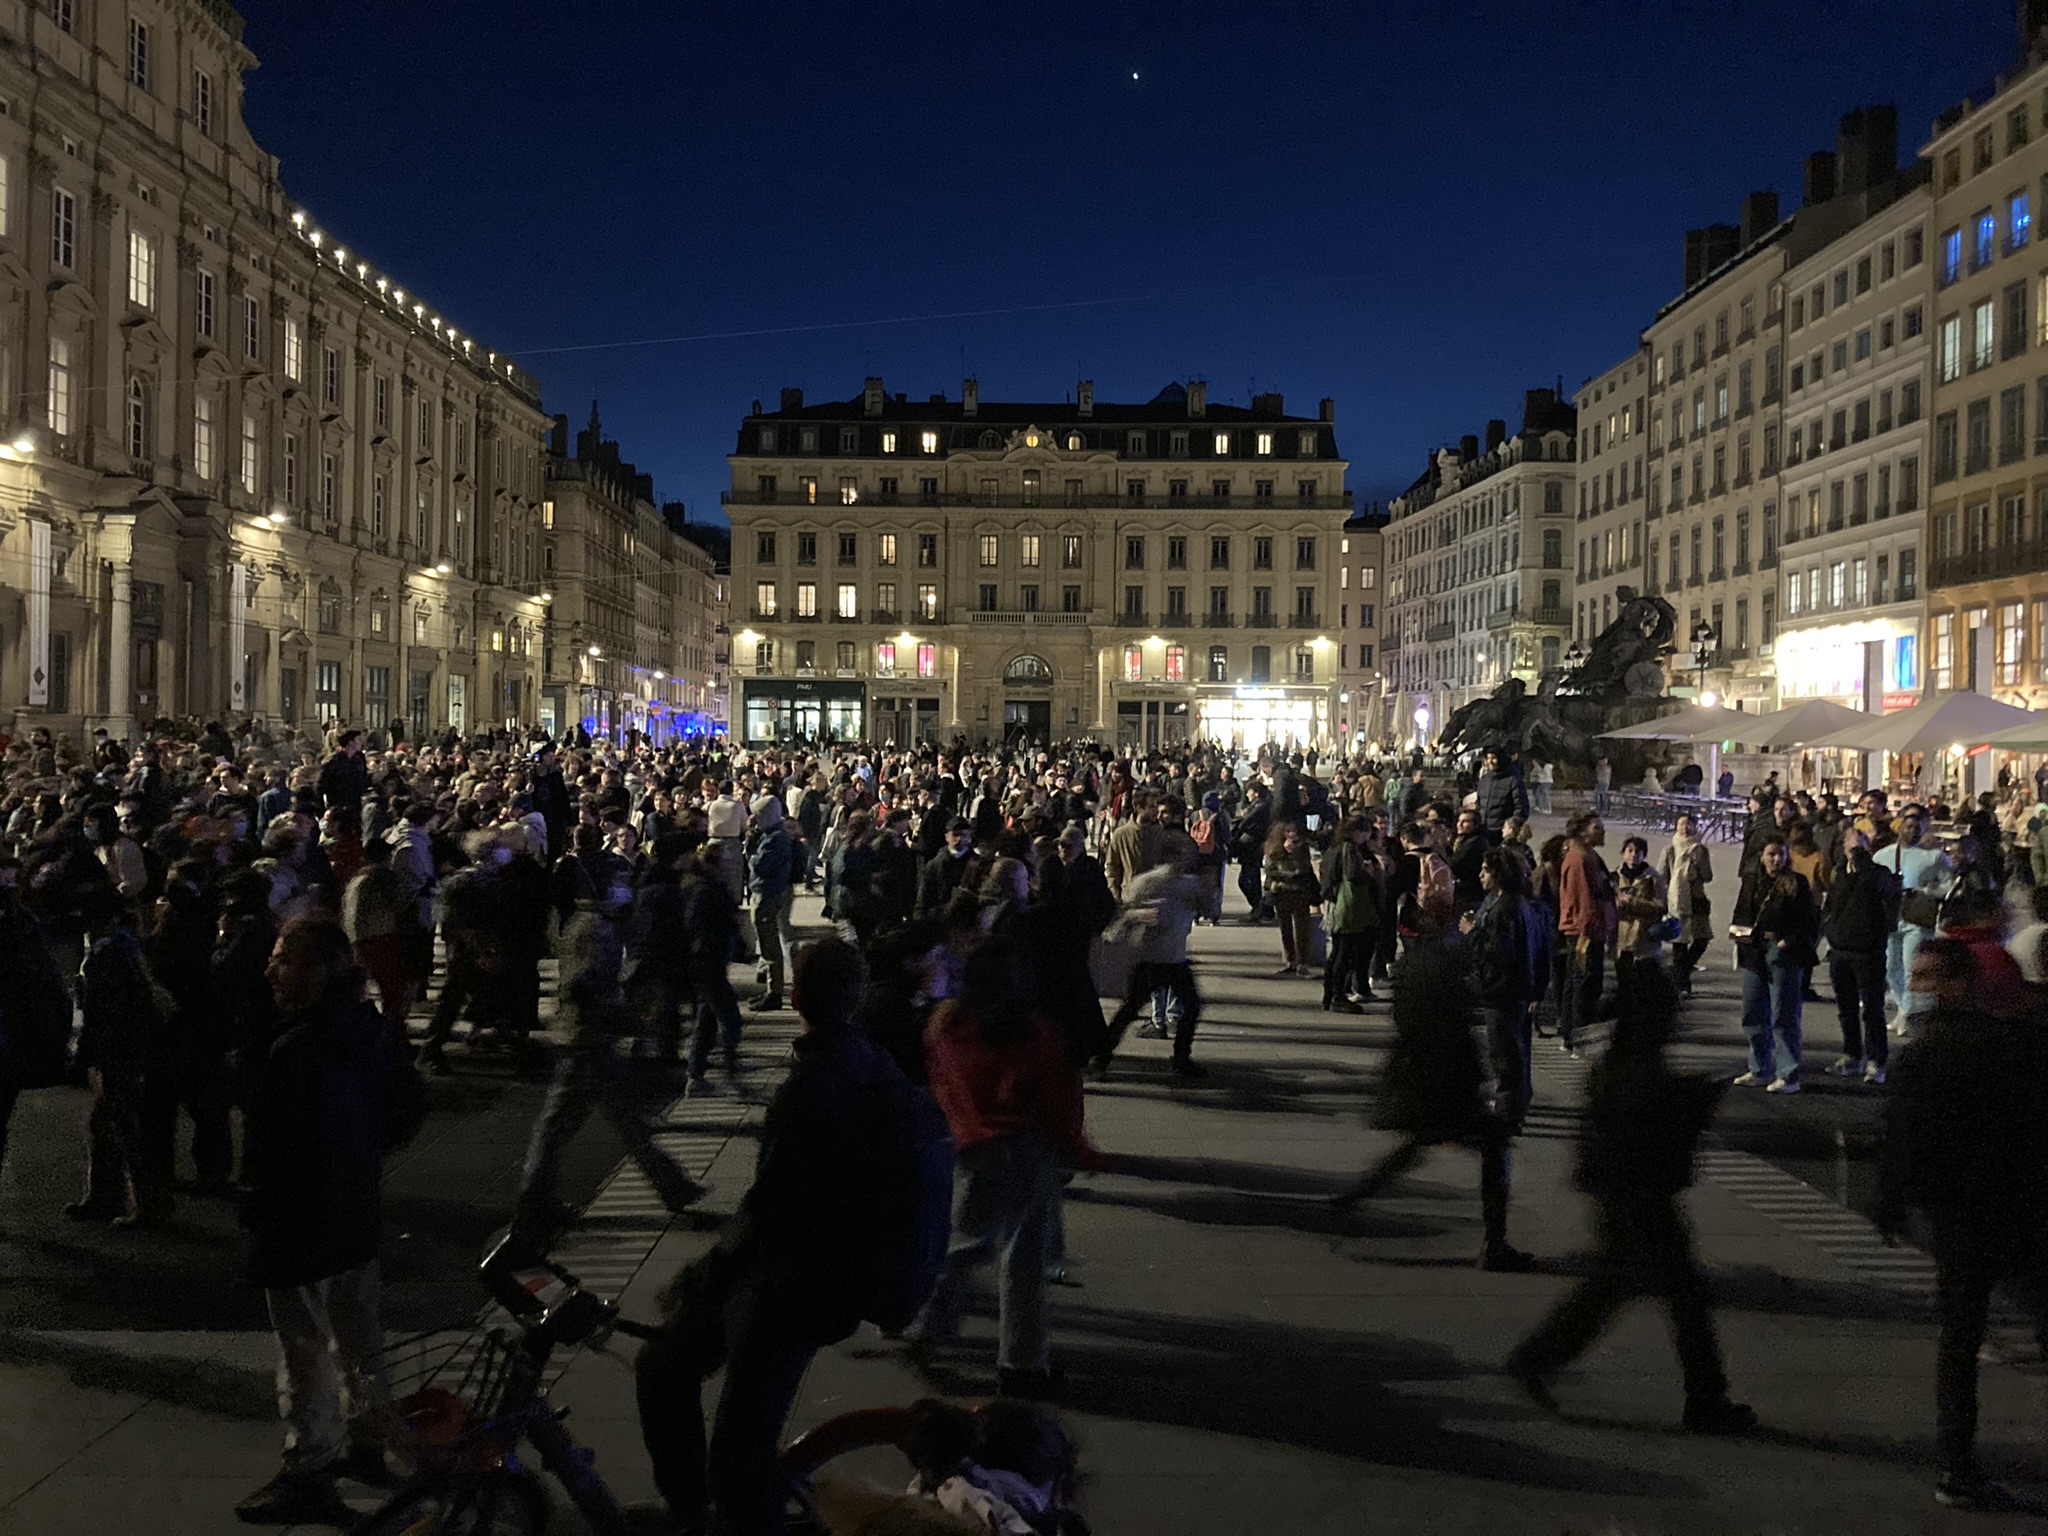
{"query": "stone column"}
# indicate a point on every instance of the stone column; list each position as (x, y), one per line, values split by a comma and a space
(117, 548)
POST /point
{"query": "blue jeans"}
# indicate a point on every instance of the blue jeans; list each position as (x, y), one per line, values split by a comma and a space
(1770, 1017)
(1898, 968)
(717, 1009)
(1005, 1194)
(1583, 977)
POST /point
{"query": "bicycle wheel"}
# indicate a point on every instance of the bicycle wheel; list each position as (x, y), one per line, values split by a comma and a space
(490, 1503)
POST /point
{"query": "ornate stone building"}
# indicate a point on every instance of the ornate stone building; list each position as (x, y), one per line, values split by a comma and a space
(1142, 574)
(629, 644)
(244, 470)
(1361, 714)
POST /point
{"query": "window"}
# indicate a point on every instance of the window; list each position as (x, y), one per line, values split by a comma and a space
(1134, 553)
(63, 228)
(927, 659)
(1909, 580)
(927, 601)
(377, 506)
(2013, 330)
(928, 551)
(807, 599)
(1951, 266)
(848, 605)
(928, 442)
(1984, 243)
(203, 463)
(1304, 665)
(988, 543)
(202, 102)
(1305, 553)
(252, 329)
(1262, 665)
(294, 349)
(1070, 551)
(807, 656)
(1219, 664)
(1983, 327)
(1176, 663)
(806, 549)
(1262, 553)
(138, 53)
(885, 598)
(885, 548)
(1945, 444)
(2012, 424)
(1977, 436)
(141, 270)
(1222, 445)
(885, 658)
(329, 501)
(137, 420)
(2019, 220)
(1134, 663)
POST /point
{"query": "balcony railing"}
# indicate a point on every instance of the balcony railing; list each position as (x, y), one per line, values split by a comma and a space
(1983, 564)
(828, 501)
(1304, 621)
(1133, 618)
(1036, 616)
(1217, 621)
(1438, 632)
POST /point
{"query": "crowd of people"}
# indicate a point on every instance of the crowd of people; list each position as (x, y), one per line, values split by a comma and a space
(251, 921)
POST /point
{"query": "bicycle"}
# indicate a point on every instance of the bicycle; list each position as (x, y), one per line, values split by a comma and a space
(472, 1480)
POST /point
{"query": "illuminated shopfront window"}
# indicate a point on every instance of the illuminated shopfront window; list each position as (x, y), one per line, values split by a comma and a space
(927, 660)
(1134, 663)
(1176, 664)
(885, 658)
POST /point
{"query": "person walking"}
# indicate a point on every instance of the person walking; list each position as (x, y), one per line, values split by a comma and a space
(1603, 786)
(1688, 871)
(1775, 927)
(1248, 847)
(1859, 917)
(1290, 882)
(1635, 1157)
(1586, 924)
(1431, 1094)
(1965, 1144)
(1165, 901)
(1012, 1099)
(1924, 876)
(1541, 776)
(712, 919)
(1509, 940)
(315, 1162)
(125, 1023)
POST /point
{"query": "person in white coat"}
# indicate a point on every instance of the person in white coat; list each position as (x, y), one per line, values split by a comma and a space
(1924, 875)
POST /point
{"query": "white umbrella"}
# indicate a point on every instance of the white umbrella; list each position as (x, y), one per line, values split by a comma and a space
(2031, 737)
(1937, 721)
(1702, 722)
(1801, 724)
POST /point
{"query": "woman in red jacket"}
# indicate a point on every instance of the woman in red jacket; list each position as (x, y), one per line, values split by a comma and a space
(1013, 1100)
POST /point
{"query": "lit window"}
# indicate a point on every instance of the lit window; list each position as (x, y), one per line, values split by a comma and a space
(205, 304)
(849, 490)
(60, 386)
(202, 102)
(1027, 549)
(988, 549)
(807, 600)
(927, 660)
(927, 601)
(764, 600)
(1176, 664)
(1265, 442)
(928, 441)
(63, 227)
(294, 354)
(849, 601)
(2019, 219)
(251, 457)
(885, 546)
(1222, 442)
(202, 439)
(888, 442)
(141, 270)
(1134, 663)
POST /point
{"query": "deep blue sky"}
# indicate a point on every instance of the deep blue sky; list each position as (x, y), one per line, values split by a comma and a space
(1417, 208)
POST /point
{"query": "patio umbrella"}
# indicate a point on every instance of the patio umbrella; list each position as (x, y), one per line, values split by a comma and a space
(1801, 724)
(2031, 737)
(1702, 722)
(1937, 721)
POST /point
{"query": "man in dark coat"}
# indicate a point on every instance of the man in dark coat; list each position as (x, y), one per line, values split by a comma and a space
(783, 1280)
(1500, 795)
(344, 777)
(1635, 1156)
(940, 877)
(551, 800)
(1248, 847)
(712, 917)
(316, 1130)
(1965, 1143)
(1861, 915)
(118, 1039)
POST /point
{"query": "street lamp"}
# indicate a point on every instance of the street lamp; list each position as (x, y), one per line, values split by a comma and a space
(1702, 655)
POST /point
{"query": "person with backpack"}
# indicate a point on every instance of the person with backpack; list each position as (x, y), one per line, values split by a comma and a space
(318, 1125)
(1291, 884)
(1351, 899)
(1012, 1098)
(1924, 875)
(1509, 942)
(812, 1251)
(1211, 833)
(772, 870)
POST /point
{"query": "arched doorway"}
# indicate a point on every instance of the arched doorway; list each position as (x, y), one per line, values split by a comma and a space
(1027, 700)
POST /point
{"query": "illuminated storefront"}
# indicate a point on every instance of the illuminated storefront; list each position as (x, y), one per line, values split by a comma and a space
(1252, 717)
(813, 709)
(1842, 662)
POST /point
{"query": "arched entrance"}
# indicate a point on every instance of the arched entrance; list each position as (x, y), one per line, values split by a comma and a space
(1027, 700)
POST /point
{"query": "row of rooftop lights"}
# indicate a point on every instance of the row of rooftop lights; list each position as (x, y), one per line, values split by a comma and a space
(393, 295)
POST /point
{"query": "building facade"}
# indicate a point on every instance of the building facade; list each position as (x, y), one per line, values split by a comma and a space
(1710, 473)
(1854, 428)
(631, 601)
(1141, 574)
(245, 472)
(1478, 584)
(1609, 526)
(1988, 442)
(1361, 693)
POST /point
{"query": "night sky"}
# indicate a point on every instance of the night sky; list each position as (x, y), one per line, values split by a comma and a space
(1419, 209)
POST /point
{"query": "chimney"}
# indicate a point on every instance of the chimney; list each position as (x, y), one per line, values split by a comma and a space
(1496, 434)
(2033, 19)
(970, 397)
(1819, 185)
(792, 399)
(1084, 398)
(1706, 249)
(871, 397)
(1468, 448)
(558, 436)
(1327, 410)
(1759, 217)
(1271, 405)
(1198, 397)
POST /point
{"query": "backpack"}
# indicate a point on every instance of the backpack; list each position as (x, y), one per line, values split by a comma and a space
(35, 1034)
(1204, 834)
(912, 1215)
(1434, 889)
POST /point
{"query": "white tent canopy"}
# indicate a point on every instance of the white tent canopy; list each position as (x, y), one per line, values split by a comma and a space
(1938, 721)
(1802, 724)
(1702, 722)
(2031, 737)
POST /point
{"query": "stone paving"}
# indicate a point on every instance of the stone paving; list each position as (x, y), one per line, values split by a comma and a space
(1237, 1359)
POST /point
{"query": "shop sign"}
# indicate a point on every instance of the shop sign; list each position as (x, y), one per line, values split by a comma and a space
(1262, 693)
(1894, 701)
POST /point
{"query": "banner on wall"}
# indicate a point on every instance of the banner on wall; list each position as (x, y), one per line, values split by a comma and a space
(38, 613)
(238, 632)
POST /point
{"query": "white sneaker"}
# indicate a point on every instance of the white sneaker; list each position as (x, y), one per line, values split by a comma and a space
(1847, 1066)
(1873, 1074)
(1749, 1080)
(1784, 1085)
